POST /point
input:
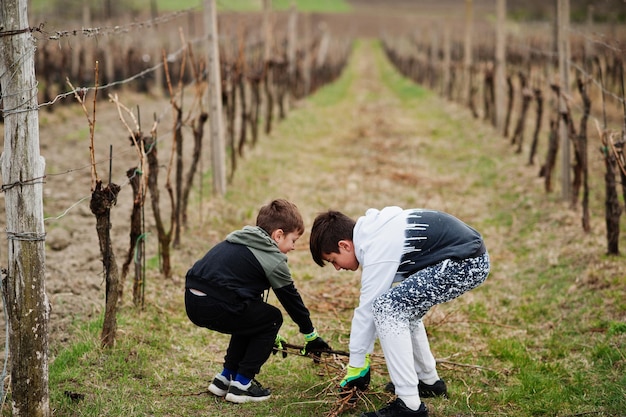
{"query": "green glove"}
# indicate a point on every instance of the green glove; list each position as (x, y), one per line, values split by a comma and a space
(314, 346)
(357, 377)
(278, 346)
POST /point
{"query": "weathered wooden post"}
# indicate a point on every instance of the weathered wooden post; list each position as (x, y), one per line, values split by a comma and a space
(218, 153)
(23, 170)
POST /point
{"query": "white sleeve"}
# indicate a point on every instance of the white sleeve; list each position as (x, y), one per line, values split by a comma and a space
(375, 280)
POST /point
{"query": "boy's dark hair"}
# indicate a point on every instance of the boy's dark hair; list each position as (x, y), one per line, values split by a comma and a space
(280, 214)
(328, 229)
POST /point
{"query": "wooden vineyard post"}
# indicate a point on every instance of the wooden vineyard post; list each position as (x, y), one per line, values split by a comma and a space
(292, 46)
(467, 55)
(23, 177)
(23, 168)
(218, 153)
(306, 64)
(500, 69)
(564, 57)
(268, 65)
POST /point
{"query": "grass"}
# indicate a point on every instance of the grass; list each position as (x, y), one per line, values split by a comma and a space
(544, 336)
(165, 6)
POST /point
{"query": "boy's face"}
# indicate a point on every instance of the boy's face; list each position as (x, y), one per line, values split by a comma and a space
(345, 259)
(286, 241)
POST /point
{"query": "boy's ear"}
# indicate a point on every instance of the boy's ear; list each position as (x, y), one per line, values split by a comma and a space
(277, 234)
(346, 245)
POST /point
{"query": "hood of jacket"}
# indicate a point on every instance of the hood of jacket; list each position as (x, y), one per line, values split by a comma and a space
(254, 237)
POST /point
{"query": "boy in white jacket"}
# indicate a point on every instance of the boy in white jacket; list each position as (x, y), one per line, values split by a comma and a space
(431, 257)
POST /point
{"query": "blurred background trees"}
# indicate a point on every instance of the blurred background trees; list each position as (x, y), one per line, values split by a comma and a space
(605, 11)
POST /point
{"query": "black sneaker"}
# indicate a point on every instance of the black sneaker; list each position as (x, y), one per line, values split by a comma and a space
(438, 389)
(219, 385)
(397, 408)
(255, 392)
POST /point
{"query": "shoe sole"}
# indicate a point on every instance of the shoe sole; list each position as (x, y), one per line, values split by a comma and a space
(215, 390)
(240, 399)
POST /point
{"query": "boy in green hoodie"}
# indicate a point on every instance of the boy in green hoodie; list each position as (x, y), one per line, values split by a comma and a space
(224, 291)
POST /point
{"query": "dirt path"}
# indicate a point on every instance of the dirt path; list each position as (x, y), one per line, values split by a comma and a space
(364, 151)
(368, 150)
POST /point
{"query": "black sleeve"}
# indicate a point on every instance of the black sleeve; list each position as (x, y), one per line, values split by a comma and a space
(290, 299)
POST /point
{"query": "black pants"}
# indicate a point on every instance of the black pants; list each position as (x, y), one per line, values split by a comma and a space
(252, 324)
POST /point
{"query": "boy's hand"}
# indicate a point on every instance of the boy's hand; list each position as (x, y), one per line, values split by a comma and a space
(315, 345)
(278, 346)
(357, 377)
